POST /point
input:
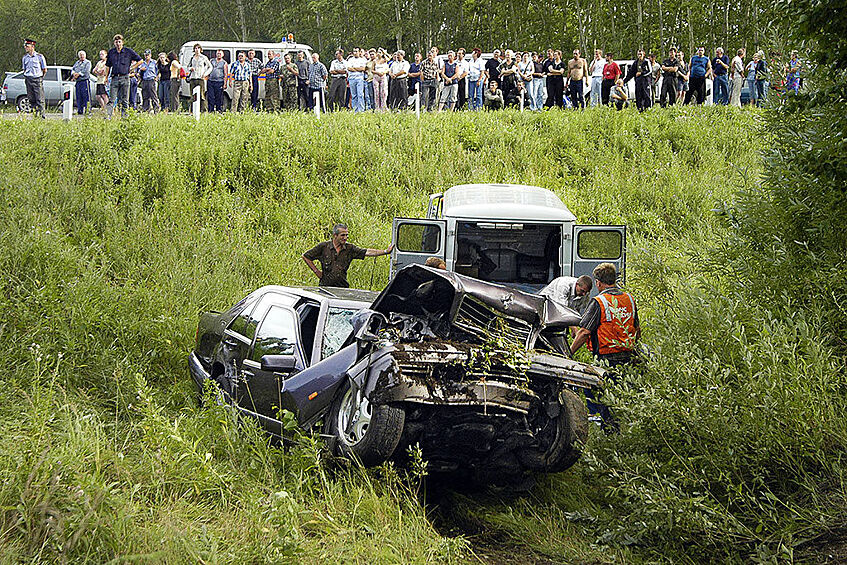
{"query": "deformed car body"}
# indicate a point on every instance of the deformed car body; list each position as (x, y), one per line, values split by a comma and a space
(473, 372)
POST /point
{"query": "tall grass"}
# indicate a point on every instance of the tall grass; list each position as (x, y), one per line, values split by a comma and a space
(116, 234)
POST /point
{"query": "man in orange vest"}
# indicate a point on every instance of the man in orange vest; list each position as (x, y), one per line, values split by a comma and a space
(610, 327)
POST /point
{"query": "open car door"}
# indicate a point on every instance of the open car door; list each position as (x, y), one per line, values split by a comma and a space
(415, 241)
(598, 244)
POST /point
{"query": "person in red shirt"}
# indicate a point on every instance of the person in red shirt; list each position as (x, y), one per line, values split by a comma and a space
(611, 73)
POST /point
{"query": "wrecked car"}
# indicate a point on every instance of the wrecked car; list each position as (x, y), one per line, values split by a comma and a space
(474, 373)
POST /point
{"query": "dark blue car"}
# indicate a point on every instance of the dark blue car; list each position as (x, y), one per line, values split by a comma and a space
(475, 373)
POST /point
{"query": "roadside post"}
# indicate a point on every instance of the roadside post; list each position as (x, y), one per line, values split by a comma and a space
(68, 104)
(317, 99)
(195, 102)
(418, 99)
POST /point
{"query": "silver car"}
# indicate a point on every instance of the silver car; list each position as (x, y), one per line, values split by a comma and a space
(14, 88)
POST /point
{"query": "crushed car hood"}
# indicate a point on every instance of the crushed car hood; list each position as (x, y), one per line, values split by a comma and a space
(418, 290)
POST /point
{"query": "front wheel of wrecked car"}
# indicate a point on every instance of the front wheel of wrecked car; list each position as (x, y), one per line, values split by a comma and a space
(559, 439)
(363, 431)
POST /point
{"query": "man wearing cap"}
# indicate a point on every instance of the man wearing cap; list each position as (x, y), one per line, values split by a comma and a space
(121, 61)
(34, 67)
(149, 73)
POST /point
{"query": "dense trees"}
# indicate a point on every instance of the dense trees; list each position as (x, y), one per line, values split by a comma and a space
(64, 26)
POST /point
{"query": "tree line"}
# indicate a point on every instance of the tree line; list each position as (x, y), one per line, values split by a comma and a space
(62, 27)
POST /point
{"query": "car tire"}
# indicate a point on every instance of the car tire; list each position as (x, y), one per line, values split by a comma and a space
(561, 438)
(23, 105)
(375, 433)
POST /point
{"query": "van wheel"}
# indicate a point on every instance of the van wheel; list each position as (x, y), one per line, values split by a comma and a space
(363, 431)
(559, 439)
(23, 104)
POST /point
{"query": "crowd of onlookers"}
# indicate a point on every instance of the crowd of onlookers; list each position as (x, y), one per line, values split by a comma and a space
(373, 79)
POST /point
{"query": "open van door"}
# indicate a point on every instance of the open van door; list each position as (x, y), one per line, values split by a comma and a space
(415, 241)
(593, 245)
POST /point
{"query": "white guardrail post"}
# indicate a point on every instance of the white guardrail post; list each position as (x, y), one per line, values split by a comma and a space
(195, 102)
(68, 105)
(317, 99)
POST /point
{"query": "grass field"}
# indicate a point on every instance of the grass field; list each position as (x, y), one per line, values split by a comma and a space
(116, 234)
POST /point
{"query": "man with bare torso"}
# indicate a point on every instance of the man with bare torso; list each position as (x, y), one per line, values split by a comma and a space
(577, 78)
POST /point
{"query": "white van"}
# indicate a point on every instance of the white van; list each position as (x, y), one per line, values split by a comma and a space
(231, 50)
(520, 236)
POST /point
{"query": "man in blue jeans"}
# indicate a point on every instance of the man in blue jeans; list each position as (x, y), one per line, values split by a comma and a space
(356, 79)
(720, 67)
(81, 73)
(121, 61)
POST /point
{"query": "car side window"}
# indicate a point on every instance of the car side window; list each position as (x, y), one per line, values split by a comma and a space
(52, 74)
(336, 330)
(277, 335)
(66, 75)
(246, 322)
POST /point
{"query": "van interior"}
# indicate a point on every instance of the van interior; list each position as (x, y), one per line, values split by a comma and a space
(509, 252)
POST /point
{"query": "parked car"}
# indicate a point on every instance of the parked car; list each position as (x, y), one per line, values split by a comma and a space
(473, 372)
(55, 80)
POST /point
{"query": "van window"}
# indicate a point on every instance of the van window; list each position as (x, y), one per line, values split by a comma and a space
(599, 244)
(509, 252)
(418, 238)
(212, 54)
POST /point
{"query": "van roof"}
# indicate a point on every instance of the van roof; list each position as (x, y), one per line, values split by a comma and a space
(246, 45)
(504, 202)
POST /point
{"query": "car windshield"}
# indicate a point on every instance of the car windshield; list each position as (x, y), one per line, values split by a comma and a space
(336, 330)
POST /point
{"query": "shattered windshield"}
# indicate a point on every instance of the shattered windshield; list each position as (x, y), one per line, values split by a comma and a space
(336, 330)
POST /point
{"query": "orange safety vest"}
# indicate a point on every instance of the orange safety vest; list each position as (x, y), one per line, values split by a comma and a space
(617, 331)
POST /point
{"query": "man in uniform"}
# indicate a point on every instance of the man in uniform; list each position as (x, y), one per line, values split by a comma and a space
(570, 291)
(611, 328)
(288, 84)
(34, 67)
(271, 71)
(335, 257)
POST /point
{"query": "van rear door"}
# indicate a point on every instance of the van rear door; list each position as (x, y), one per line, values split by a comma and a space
(416, 240)
(593, 245)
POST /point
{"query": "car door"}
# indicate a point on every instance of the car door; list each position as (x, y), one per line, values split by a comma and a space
(53, 93)
(593, 245)
(261, 383)
(416, 240)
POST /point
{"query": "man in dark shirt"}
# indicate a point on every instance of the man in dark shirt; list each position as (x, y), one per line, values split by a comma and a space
(669, 80)
(303, 81)
(121, 61)
(492, 68)
(640, 71)
(720, 88)
(335, 257)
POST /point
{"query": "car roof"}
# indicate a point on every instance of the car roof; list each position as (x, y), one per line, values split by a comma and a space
(358, 298)
(246, 45)
(505, 202)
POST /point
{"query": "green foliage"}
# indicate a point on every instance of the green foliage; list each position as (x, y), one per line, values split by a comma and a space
(116, 234)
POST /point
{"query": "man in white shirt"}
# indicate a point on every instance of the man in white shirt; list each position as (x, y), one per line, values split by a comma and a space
(338, 86)
(398, 91)
(356, 78)
(736, 76)
(199, 69)
(571, 292)
(462, 78)
(476, 80)
(596, 70)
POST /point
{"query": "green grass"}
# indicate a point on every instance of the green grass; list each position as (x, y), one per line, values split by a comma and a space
(116, 234)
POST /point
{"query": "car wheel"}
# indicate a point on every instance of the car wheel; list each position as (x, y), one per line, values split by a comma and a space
(23, 104)
(560, 438)
(363, 431)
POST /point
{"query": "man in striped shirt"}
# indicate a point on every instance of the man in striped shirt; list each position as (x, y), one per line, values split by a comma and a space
(240, 71)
